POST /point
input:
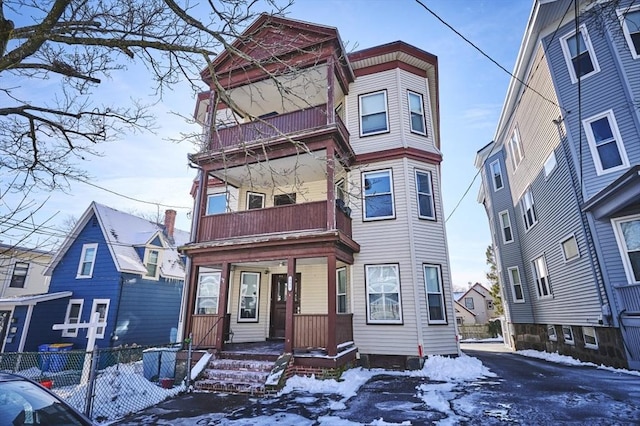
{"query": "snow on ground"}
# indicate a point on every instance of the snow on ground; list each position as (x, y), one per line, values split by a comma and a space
(567, 360)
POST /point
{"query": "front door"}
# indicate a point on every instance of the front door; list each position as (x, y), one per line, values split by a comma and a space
(4, 324)
(279, 304)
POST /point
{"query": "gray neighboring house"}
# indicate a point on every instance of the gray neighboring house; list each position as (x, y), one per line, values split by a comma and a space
(561, 184)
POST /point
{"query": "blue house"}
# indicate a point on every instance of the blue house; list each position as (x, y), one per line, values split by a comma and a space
(122, 266)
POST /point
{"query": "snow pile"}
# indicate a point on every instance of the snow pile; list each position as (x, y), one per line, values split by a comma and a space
(460, 369)
(347, 387)
(567, 360)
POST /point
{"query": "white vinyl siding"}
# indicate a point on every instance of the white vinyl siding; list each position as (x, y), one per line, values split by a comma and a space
(87, 260)
(517, 291)
(374, 114)
(579, 54)
(505, 226)
(496, 175)
(605, 143)
(630, 19)
(627, 232)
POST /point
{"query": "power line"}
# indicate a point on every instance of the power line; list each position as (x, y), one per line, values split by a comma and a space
(131, 198)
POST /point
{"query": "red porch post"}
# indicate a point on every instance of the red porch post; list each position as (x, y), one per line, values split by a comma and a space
(291, 294)
(331, 81)
(223, 297)
(332, 348)
(192, 288)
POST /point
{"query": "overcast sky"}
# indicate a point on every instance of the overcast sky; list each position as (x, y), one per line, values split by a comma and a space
(472, 90)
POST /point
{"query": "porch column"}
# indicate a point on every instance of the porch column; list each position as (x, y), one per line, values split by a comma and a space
(291, 294)
(191, 298)
(223, 297)
(202, 192)
(331, 196)
(332, 348)
(331, 81)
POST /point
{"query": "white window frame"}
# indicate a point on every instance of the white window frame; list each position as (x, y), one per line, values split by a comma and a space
(504, 226)
(257, 194)
(340, 294)
(567, 334)
(564, 251)
(593, 147)
(72, 332)
(218, 194)
(527, 204)
(552, 334)
(625, 28)
(202, 274)
(469, 303)
(386, 113)
(623, 248)
(515, 149)
(513, 284)
(85, 248)
(569, 59)
(243, 286)
(497, 173)
(420, 113)
(591, 332)
(439, 293)
(20, 269)
(541, 277)
(147, 258)
(429, 195)
(396, 269)
(550, 164)
(94, 309)
(364, 195)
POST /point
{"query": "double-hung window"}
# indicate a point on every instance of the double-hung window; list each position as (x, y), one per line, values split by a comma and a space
(426, 209)
(605, 143)
(208, 293)
(468, 303)
(541, 276)
(341, 301)
(496, 174)
(384, 305)
(217, 203)
(249, 297)
(416, 111)
(74, 310)
(505, 225)
(19, 276)
(528, 207)
(516, 285)
(87, 260)
(579, 54)
(378, 195)
(630, 19)
(515, 149)
(435, 294)
(100, 306)
(255, 200)
(627, 231)
(153, 257)
(373, 113)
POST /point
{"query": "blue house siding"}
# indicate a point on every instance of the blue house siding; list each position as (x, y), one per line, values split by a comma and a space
(45, 314)
(19, 314)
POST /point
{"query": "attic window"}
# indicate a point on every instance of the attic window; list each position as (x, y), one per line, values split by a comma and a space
(152, 263)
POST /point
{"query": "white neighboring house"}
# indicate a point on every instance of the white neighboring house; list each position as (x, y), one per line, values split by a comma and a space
(475, 306)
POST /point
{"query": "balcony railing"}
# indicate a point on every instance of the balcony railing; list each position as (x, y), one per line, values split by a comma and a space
(630, 297)
(273, 127)
(272, 220)
(312, 330)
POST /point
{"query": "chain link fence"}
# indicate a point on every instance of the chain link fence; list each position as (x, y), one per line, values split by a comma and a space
(106, 384)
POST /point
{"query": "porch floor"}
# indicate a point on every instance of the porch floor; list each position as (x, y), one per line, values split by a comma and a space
(268, 347)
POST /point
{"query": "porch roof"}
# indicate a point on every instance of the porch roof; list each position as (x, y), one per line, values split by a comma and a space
(33, 299)
(617, 196)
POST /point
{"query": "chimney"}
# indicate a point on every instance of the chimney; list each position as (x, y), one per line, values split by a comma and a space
(169, 222)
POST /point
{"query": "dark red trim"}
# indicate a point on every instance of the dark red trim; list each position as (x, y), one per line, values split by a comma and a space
(396, 46)
(373, 69)
(396, 153)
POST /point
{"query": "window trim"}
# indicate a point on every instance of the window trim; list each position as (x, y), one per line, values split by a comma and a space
(85, 248)
(147, 255)
(259, 194)
(622, 245)
(400, 320)
(217, 194)
(512, 285)
(523, 201)
(431, 197)
(346, 291)
(364, 196)
(564, 254)
(613, 125)
(443, 305)
(539, 279)
(201, 274)
(569, 59)
(67, 320)
(553, 337)
(19, 267)
(386, 112)
(469, 299)
(595, 337)
(422, 112)
(548, 170)
(257, 296)
(503, 227)
(625, 28)
(568, 340)
(94, 306)
(515, 136)
(493, 175)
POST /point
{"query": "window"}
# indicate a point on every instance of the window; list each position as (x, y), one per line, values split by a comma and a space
(217, 203)
(383, 294)
(426, 209)
(515, 149)
(579, 54)
(378, 195)
(505, 224)
(630, 18)
(605, 143)
(468, 302)
(19, 276)
(496, 173)
(341, 302)
(490, 305)
(416, 111)
(550, 164)
(542, 277)
(627, 231)
(435, 295)
(208, 292)
(284, 199)
(570, 248)
(255, 200)
(373, 113)
(551, 333)
(74, 310)
(590, 337)
(152, 263)
(341, 190)
(529, 214)
(87, 260)
(249, 297)
(516, 285)
(100, 306)
(567, 333)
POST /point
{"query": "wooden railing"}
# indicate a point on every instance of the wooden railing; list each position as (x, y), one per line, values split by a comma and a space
(311, 330)
(204, 330)
(630, 297)
(344, 328)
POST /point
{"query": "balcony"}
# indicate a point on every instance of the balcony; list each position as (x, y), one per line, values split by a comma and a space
(290, 124)
(273, 220)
